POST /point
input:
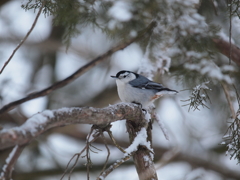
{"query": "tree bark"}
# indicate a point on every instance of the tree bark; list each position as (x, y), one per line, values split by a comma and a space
(224, 48)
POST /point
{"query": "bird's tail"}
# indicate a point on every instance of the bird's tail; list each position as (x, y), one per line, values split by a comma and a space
(166, 91)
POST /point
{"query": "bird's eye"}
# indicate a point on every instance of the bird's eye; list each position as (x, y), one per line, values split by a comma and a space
(124, 76)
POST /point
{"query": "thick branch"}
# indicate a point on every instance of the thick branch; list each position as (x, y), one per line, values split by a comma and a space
(41, 122)
(79, 72)
(224, 48)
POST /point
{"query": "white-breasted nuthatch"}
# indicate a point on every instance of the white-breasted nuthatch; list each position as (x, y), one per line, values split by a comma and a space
(135, 88)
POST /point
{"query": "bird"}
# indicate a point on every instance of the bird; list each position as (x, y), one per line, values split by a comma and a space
(135, 88)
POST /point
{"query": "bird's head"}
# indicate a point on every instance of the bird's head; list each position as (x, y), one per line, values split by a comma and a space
(125, 76)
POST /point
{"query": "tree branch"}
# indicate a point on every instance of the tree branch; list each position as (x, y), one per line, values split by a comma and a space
(79, 72)
(114, 166)
(10, 162)
(24, 39)
(47, 119)
(225, 47)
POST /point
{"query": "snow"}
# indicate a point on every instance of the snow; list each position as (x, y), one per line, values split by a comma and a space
(140, 139)
(133, 33)
(147, 116)
(146, 67)
(210, 69)
(158, 56)
(147, 160)
(48, 113)
(228, 68)
(115, 107)
(112, 24)
(101, 177)
(201, 86)
(121, 11)
(224, 36)
(35, 122)
(195, 54)
(65, 110)
(163, 60)
(190, 22)
(3, 171)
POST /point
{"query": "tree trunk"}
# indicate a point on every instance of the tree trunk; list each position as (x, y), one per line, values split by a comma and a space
(142, 157)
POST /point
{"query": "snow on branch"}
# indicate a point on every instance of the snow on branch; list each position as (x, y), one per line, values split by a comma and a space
(41, 122)
(140, 139)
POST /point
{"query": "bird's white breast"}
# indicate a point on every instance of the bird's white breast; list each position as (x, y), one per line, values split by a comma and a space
(121, 87)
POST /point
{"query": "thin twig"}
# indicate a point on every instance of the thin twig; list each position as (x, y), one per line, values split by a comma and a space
(114, 141)
(167, 158)
(105, 143)
(161, 125)
(66, 169)
(88, 154)
(230, 30)
(114, 166)
(24, 39)
(78, 156)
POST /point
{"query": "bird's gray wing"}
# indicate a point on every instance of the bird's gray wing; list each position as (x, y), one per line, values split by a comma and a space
(140, 82)
(157, 86)
(144, 83)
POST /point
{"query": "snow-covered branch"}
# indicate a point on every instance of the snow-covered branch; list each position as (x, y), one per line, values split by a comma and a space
(41, 122)
(10, 162)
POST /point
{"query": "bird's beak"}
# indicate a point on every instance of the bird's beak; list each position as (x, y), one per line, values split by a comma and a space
(114, 77)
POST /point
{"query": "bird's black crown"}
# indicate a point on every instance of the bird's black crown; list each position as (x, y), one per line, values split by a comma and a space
(124, 71)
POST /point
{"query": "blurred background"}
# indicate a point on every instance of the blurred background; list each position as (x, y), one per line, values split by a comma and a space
(181, 53)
